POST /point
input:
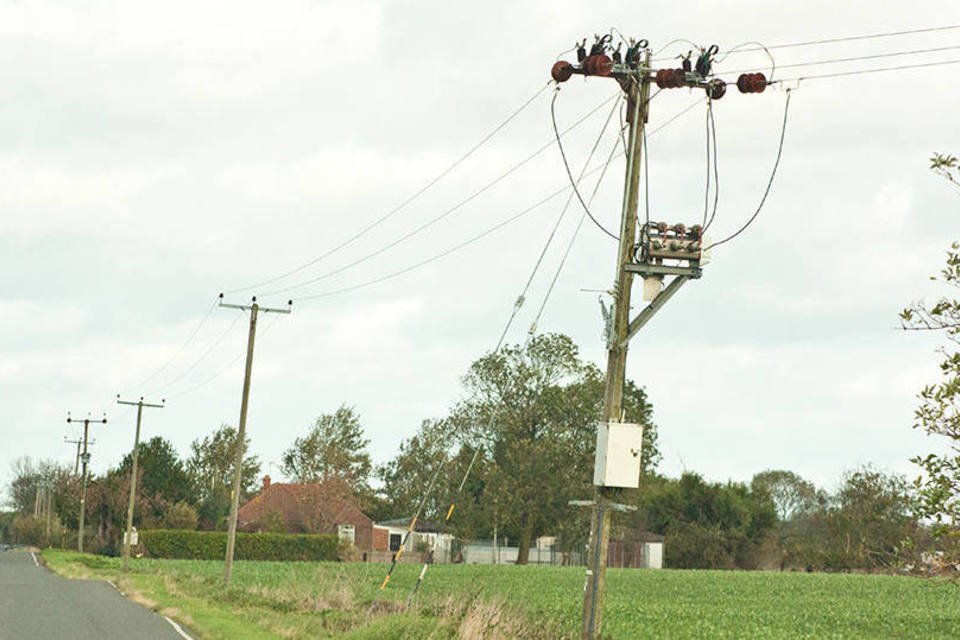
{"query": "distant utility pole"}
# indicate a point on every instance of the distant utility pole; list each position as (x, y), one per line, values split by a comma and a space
(128, 536)
(85, 459)
(254, 309)
(663, 250)
(78, 442)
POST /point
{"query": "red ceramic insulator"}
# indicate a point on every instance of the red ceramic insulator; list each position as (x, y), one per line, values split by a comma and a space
(743, 83)
(759, 82)
(716, 89)
(662, 77)
(602, 65)
(561, 71)
(662, 227)
(679, 228)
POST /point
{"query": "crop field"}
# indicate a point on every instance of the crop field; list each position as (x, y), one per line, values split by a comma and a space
(311, 600)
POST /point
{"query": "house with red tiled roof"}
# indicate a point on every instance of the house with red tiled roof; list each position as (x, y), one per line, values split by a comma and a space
(321, 507)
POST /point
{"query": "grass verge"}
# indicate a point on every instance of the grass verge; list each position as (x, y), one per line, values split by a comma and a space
(325, 600)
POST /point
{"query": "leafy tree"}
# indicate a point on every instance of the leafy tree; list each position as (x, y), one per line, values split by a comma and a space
(334, 448)
(161, 471)
(210, 469)
(791, 494)
(533, 411)
(868, 521)
(939, 410)
(706, 525)
(179, 516)
(29, 477)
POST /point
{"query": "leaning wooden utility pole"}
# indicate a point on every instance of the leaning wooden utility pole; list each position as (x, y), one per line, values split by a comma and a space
(254, 309)
(637, 95)
(85, 461)
(135, 455)
(662, 250)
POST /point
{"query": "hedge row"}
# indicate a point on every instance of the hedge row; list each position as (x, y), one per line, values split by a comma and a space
(212, 545)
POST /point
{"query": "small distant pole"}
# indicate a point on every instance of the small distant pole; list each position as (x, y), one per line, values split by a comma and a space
(85, 460)
(254, 309)
(76, 463)
(128, 536)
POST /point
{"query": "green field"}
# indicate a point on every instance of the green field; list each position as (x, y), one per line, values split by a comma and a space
(308, 600)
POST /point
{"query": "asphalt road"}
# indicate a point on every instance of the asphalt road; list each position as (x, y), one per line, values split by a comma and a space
(36, 603)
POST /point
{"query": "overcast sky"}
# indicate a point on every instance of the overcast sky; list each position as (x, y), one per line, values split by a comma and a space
(155, 154)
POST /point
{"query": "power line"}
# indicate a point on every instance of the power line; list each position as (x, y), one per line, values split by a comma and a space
(563, 212)
(403, 204)
(873, 56)
(868, 36)
(485, 233)
(201, 358)
(219, 372)
(183, 346)
(573, 183)
(442, 215)
(864, 71)
(773, 173)
(576, 231)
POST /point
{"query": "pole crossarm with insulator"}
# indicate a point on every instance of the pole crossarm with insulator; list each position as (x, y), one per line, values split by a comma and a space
(135, 455)
(255, 309)
(85, 462)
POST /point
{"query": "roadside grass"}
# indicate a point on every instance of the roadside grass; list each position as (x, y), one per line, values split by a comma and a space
(324, 600)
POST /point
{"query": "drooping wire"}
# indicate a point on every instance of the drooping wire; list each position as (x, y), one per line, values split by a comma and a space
(773, 173)
(576, 231)
(566, 253)
(563, 212)
(759, 46)
(432, 221)
(193, 334)
(202, 357)
(403, 204)
(484, 233)
(716, 171)
(573, 183)
(706, 193)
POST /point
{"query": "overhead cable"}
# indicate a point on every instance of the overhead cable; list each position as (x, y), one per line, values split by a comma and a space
(563, 212)
(442, 215)
(482, 234)
(773, 173)
(840, 74)
(183, 346)
(403, 204)
(576, 231)
(203, 357)
(872, 56)
(868, 36)
(573, 183)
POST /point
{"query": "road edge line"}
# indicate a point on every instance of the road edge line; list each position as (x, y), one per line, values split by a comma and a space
(176, 627)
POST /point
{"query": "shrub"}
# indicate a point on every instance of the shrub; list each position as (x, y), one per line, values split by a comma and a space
(212, 545)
